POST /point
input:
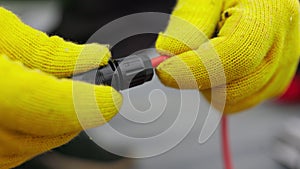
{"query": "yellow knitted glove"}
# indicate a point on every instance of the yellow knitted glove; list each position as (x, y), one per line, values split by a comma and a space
(38, 111)
(257, 42)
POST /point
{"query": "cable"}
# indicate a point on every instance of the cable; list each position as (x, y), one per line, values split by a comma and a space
(227, 159)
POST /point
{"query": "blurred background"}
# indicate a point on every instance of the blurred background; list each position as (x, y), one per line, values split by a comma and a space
(260, 137)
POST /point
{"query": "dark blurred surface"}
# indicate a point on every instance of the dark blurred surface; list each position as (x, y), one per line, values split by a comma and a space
(82, 18)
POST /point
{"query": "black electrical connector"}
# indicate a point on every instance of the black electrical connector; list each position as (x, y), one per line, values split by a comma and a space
(121, 73)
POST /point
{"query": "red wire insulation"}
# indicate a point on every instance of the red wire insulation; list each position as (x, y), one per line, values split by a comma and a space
(157, 60)
(225, 144)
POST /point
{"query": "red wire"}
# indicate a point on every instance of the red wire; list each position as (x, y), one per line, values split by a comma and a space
(157, 60)
(225, 144)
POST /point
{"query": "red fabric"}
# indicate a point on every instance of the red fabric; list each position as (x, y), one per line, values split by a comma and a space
(292, 94)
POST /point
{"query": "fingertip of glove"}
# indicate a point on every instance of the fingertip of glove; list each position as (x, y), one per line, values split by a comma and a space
(95, 105)
(170, 46)
(166, 79)
(168, 72)
(183, 71)
(97, 52)
(73, 58)
(109, 101)
(91, 56)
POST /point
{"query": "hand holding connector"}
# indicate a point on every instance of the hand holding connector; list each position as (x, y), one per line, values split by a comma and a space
(123, 73)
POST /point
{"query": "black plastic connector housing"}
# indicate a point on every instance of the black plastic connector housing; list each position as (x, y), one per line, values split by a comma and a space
(121, 73)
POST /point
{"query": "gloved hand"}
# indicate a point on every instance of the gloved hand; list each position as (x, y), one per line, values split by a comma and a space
(257, 43)
(37, 110)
